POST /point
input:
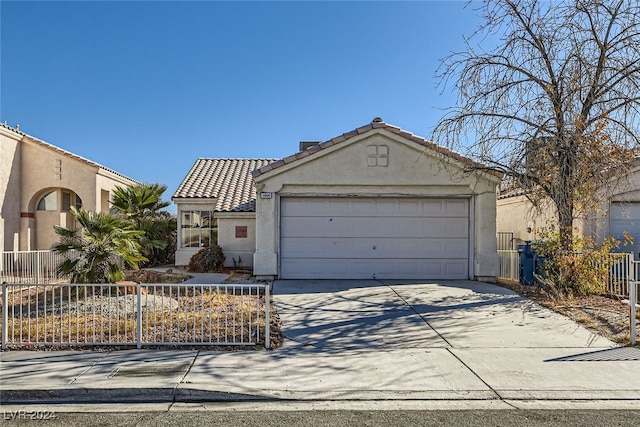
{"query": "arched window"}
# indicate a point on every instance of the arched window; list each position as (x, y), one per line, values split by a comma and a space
(49, 202)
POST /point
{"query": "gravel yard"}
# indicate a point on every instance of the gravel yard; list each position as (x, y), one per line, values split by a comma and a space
(65, 316)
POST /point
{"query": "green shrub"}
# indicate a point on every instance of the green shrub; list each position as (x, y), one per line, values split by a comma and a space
(207, 260)
(583, 270)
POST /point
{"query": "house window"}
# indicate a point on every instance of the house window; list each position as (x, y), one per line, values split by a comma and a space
(199, 229)
(378, 155)
(66, 201)
(49, 202)
(241, 231)
(70, 199)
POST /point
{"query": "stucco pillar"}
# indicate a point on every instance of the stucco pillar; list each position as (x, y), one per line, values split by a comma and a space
(265, 259)
(27, 222)
(486, 262)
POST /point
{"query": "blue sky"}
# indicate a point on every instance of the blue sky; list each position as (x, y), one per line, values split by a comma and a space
(147, 87)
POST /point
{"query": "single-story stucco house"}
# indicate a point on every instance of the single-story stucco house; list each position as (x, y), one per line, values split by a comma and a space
(376, 202)
(39, 182)
(618, 212)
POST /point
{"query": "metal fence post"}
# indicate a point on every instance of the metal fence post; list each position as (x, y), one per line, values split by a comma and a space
(139, 329)
(5, 316)
(633, 300)
(38, 267)
(267, 317)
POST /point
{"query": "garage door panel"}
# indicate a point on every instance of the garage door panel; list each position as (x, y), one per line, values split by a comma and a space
(337, 268)
(384, 227)
(382, 237)
(367, 208)
(374, 247)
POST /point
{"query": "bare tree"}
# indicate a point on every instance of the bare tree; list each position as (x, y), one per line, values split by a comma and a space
(555, 105)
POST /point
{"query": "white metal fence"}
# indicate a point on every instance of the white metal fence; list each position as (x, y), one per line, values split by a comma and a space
(506, 240)
(509, 265)
(135, 314)
(30, 267)
(618, 274)
(633, 307)
(617, 267)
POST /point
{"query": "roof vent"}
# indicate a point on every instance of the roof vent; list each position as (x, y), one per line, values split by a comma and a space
(304, 145)
(377, 120)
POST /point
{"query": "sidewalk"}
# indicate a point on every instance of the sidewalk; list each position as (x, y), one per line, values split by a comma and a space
(467, 344)
(300, 374)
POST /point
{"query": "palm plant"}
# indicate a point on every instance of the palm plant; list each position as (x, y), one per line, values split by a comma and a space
(139, 202)
(142, 206)
(98, 250)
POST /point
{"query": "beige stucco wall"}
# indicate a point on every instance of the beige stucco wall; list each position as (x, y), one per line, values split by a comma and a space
(44, 169)
(341, 170)
(518, 215)
(105, 182)
(9, 187)
(238, 248)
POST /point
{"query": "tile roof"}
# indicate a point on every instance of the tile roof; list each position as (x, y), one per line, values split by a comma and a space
(228, 181)
(377, 123)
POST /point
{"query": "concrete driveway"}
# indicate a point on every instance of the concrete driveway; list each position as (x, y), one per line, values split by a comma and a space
(444, 340)
(395, 314)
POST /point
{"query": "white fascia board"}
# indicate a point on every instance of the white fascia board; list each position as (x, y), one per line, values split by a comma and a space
(249, 215)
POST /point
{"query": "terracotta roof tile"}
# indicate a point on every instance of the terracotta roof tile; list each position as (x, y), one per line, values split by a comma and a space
(339, 138)
(229, 181)
(363, 129)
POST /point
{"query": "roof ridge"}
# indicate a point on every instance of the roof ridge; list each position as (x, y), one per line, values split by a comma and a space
(376, 123)
(12, 129)
(65, 152)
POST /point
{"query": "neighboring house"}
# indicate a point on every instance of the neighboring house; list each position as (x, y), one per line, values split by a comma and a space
(619, 212)
(39, 182)
(376, 202)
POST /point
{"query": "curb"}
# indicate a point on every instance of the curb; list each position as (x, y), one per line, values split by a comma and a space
(125, 395)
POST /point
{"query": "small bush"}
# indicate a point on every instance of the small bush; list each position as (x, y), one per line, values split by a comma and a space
(582, 271)
(207, 260)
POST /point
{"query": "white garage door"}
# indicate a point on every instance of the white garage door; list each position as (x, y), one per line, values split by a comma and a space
(626, 217)
(363, 238)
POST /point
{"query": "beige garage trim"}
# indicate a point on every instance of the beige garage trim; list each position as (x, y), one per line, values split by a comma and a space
(382, 237)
